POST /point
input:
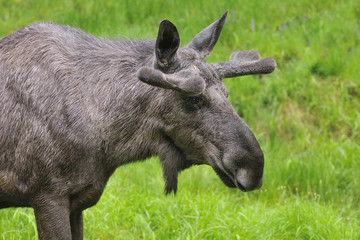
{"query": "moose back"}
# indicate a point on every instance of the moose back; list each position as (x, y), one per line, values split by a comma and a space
(74, 107)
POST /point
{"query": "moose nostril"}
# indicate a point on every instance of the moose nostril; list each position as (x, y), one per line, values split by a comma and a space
(245, 179)
(242, 177)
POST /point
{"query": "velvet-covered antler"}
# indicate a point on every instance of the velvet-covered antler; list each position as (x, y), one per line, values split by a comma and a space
(245, 63)
(186, 81)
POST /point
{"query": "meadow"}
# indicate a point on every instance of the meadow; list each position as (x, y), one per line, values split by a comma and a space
(306, 116)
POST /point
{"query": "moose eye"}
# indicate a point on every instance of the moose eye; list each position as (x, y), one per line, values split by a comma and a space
(194, 100)
(194, 103)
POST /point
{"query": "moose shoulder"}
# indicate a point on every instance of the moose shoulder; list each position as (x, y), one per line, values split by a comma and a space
(74, 107)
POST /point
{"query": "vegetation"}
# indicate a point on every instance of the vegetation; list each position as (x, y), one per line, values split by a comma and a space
(306, 116)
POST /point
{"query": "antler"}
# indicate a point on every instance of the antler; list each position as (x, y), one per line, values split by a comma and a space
(186, 81)
(245, 63)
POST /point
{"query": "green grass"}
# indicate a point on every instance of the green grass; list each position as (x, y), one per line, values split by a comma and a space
(306, 116)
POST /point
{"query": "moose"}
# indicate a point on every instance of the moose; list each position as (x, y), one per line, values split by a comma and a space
(74, 107)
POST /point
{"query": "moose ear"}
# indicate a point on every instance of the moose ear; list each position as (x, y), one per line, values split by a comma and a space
(167, 43)
(205, 41)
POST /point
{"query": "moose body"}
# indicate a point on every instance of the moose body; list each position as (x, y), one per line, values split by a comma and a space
(74, 107)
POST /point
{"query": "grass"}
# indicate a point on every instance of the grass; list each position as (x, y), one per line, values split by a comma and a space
(306, 116)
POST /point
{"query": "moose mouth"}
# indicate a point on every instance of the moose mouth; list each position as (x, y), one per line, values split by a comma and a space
(242, 178)
(228, 181)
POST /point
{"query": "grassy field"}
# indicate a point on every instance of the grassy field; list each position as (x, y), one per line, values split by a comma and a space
(306, 116)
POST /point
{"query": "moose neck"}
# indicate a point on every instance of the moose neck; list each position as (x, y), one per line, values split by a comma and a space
(128, 113)
(135, 133)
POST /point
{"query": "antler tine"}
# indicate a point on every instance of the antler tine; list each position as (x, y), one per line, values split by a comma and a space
(242, 56)
(245, 63)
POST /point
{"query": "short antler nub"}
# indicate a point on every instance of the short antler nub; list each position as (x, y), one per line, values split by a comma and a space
(245, 63)
(185, 81)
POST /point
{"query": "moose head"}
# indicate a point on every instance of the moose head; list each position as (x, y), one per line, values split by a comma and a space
(200, 125)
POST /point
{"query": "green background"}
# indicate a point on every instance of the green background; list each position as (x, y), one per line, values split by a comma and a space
(306, 116)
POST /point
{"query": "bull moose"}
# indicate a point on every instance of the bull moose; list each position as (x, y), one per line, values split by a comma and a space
(74, 107)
